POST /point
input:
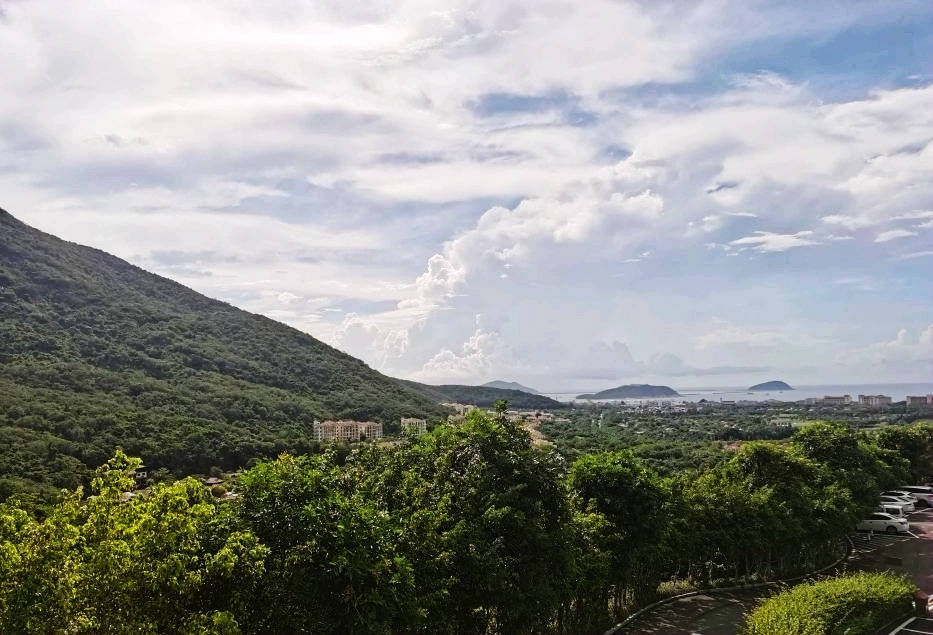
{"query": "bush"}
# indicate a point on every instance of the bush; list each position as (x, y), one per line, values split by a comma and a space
(845, 605)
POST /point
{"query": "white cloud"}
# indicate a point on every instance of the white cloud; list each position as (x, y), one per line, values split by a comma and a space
(770, 242)
(849, 222)
(893, 234)
(453, 159)
(915, 254)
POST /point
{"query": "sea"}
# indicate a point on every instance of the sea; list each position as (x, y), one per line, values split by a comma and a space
(897, 392)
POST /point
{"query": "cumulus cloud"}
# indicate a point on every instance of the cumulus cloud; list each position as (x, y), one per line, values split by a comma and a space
(437, 187)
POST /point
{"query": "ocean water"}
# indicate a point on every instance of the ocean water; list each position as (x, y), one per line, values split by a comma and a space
(896, 391)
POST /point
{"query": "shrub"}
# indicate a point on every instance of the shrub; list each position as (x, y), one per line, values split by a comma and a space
(845, 605)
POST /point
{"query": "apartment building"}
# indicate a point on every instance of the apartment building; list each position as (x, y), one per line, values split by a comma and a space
(874, 401)
(346, 430)
(413, 426)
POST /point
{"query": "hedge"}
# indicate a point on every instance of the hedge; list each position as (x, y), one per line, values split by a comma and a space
(852, 604)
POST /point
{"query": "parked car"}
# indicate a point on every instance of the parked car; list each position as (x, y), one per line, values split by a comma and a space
(923, 493)
(903, 503)
(880, 521)
(897, 493)
(894, 510)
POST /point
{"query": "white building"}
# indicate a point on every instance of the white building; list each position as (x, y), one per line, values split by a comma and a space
(874, 401)
(346, 430)
(414, 427)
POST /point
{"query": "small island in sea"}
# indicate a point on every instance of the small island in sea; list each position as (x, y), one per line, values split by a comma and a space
(771, 385)
(632, 391)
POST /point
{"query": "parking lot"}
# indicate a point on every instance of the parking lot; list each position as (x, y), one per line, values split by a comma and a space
(911, 554)
(723, 613)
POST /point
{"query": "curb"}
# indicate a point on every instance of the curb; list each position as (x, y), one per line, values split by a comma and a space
(741, 587)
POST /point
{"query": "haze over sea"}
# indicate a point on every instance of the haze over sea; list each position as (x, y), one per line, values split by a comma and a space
(896, 391)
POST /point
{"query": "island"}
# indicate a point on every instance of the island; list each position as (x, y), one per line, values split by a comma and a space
(632, 391)
(770, 386)
(510, 385)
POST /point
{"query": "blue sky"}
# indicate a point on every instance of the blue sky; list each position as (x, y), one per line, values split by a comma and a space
(568, 194)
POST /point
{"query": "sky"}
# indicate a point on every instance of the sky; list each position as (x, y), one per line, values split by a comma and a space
(573, 195)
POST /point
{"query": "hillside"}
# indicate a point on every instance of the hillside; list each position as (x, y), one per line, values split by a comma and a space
(510, 385)
(632, 391)
(771, 385)
(484, 396)
(96, 353)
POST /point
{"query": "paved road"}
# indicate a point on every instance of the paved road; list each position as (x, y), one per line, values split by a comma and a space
(915, 626)
(722, 613)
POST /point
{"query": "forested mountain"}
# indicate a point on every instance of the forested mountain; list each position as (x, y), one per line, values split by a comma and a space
(510, 385)
(484, 396)
(97, 353)
(771, 385)
(632, 391)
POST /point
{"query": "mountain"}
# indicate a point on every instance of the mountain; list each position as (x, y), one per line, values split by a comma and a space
(510, 385)
(96, 353)
(484, 396)
(632, 391)
(770, 385)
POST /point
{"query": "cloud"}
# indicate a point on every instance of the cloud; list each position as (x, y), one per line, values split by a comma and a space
(767, 242)
(915, 254)
(893, 234)
(848, 222)
(465, 179)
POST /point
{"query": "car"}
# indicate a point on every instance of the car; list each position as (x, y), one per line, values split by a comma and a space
(880, 521)
(903, 503)
(923, 493)
(900, 494)
(894, 510)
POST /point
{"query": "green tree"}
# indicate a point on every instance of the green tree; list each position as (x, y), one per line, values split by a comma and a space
(103, 564)
(484, 521)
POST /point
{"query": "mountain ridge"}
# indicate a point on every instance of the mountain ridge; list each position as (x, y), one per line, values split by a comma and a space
(97, 353)
(484, 396)
(509, 385)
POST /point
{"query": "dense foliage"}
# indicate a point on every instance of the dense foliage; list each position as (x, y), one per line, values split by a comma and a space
(856, 603)
(96, 353)
(469, 529)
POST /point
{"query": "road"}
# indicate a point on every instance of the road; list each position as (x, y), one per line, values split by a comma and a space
(722, 613)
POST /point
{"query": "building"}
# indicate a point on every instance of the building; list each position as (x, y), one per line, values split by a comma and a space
(922, 400)
(461, 408)
(874, 401)
(346, 430)
(414, 427)
(829, 400)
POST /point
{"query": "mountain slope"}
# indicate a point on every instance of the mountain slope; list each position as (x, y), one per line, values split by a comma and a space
(510, 385)
(632, 391)
(484, 396)
(95, 353)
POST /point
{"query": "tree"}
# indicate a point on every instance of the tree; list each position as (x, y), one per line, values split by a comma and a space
(914, 443)
(483, 519)
(333, 564)
(619, 487)
(93, 564)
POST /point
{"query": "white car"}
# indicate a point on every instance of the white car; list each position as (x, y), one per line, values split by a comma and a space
(896, 493)
(894, 510)
(923, 493)
(881, 522)
(903, 503)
